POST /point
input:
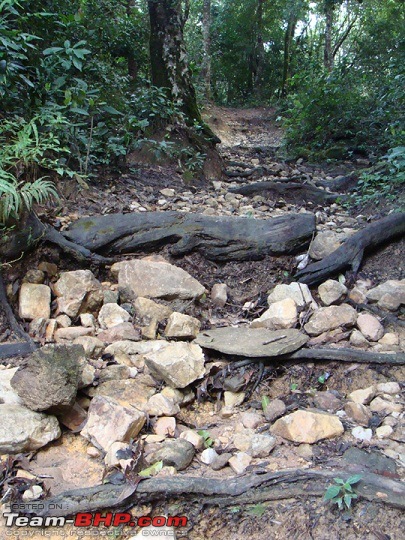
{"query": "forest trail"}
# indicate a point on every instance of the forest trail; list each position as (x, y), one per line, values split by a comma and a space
(251, 141)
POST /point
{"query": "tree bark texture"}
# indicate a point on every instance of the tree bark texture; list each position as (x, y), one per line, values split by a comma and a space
(206, 63)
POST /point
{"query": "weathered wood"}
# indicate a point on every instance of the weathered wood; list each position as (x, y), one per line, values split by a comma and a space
(291, 190)
(254, 488)
(216, 238)
(350, 254)
(346, 355)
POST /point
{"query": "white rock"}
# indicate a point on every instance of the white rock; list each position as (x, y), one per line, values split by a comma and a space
(35, 301)
(395, 288)
(92, 346)
(383, 432)
(72, 288)
(219, 294)
(362, 434)
(7, 394)
(178, 364)
(240, 462)
(389, 339)
(22, 430)
(182, 326)
(358, 340)
(111, 315)
(370, 327)
(298, 292)
(388, 388)
(282, 314)
(208, 456)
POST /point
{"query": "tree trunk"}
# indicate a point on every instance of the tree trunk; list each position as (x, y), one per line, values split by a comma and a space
(259, 50)
(206, 63)
(289, 34)
(168, 56)
(328, 51)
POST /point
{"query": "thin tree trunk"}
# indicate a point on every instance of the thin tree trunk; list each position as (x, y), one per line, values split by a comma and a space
(259, 52)
(289, 34)
(328, 51)
(206, 63)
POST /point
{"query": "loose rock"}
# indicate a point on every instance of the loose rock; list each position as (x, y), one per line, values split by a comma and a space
(370, 327)
(35, 301)
(305, 426)
(177, 453)
(298, 292)
(182, 326)
(329, 318)
(282, 314)
(331, 292)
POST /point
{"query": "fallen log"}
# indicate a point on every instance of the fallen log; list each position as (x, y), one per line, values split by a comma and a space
(286, 484)
(350, 253)
(291, 191)
(216, 238)
(346, 355)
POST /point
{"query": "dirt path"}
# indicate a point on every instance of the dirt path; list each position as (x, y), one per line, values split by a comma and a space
(250, 139)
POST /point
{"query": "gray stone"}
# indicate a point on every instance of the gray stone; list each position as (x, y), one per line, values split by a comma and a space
(147, 310)
(240, 462)
(329, 318)
(331, 292)
(221, 461)
(92, 346)
(122, 332)
(35, 301)
(23, 430)
(34, 276)
(274, 410)
(110, 421)
(358, 413)
(389, 301)
(395, 288)
(219, 294)
(157, 279)
(327, 401)
(325, 243)
(72, 289)
(178, 364)
(358, 340)
(252, 342)
(50, 379)
(65, 335)
(177, 453)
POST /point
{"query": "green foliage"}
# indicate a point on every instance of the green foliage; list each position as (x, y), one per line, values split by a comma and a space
(208, 441)
(342, 492)
(25, 150)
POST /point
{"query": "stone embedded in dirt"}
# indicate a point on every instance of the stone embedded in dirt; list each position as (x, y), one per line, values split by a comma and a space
(363, 395)
(331, 292)
(274, 410)
(194, 438)
(34, 276)
(161, 405)
(327, 401)
(384, 407)
(208, 456)
(221, 461)
(390, 339)
(304, 426)
(182, 326)
(261, 445)
(370, 326)
(329, 318)
(299, 292)
(147, 310)
(177, 453)
(389, 302)
(358, 340)
(48, 268)
(135, 350)
(7, 393)
(240, 462)
(74, 417)
(358, 295)
(115, 454)
(134, 392)
(66, 335)
(111, 315)
(358, 413)
(393, 287)
(110, 421)
(251, 420)
(232, 399)
(362, 434)
(165, 425)
(282, 314)
(252, 342)
(34, 301)
(23, 430)
(122, 332)
(157, 279)
(219, 294)
(181, 397)
(178, 364)
(325, 243)
(50, 379)
(383, 432)
(72, 288)
(92, 346)
(116, 373)
(388, 388)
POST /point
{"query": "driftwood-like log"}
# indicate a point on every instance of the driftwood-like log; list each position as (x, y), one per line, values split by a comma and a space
(255, 488)
(350, 254)
(291, 191)
(216, 238)
(345, 355)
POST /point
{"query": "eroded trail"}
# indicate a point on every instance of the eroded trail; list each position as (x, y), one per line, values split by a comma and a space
(263, 435)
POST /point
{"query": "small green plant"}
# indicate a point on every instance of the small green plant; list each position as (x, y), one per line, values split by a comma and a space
(208, 441)
(342, 493)
(265, 402)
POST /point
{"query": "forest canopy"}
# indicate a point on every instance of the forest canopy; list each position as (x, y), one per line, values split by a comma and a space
(84, 82)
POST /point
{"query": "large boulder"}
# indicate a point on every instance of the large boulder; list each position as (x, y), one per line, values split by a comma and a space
(156, 279)
(22, 430)
(50, 379)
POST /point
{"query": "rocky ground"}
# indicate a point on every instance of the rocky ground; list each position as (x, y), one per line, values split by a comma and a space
(157, 352)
